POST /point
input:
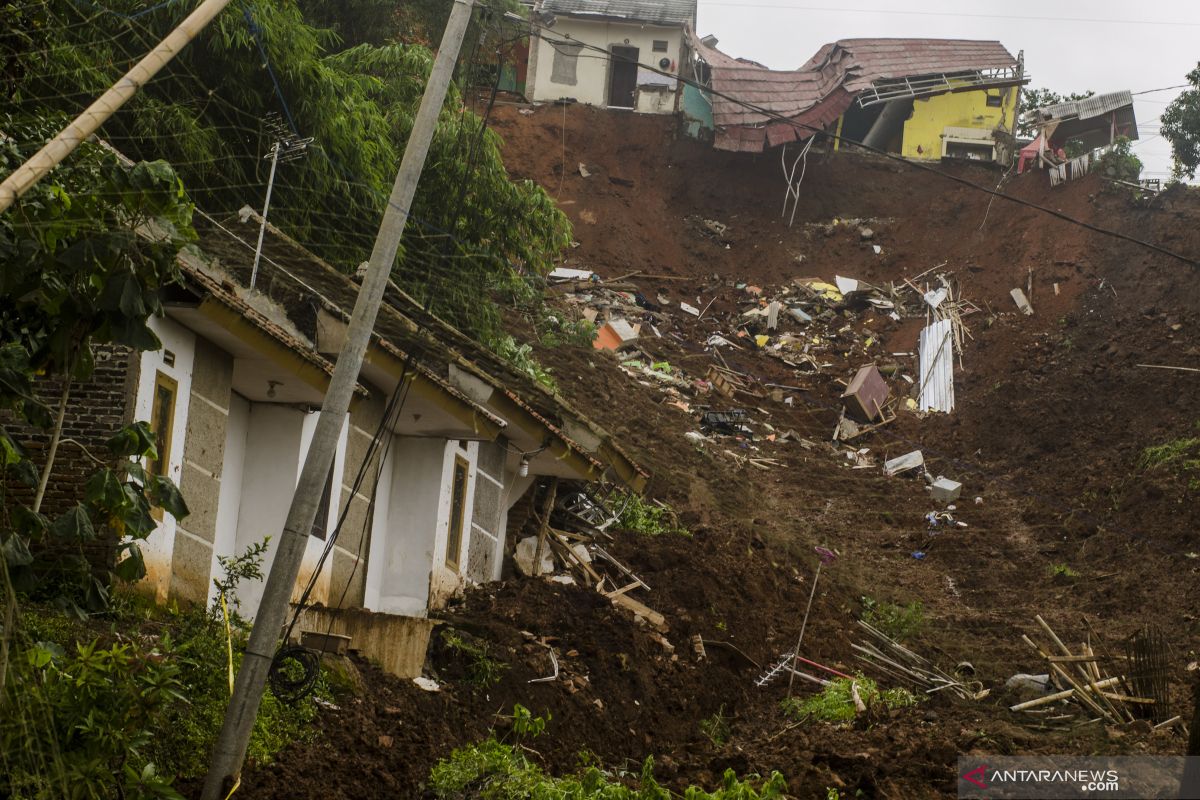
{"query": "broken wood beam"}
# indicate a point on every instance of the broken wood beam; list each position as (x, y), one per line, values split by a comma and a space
(1063, 695)
(651, 616)
(544, 527)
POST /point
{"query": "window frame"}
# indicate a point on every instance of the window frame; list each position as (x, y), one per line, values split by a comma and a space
(654, 45)
(454, 532)
(163, 435)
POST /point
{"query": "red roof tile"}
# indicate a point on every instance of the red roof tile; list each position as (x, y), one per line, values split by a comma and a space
(818, 92)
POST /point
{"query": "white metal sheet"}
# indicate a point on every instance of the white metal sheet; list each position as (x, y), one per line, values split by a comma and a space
(937, 367)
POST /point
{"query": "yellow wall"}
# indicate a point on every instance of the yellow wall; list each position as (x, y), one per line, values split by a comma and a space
(932, 115)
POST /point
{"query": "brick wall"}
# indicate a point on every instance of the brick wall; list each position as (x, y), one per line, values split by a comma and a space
(96, 408)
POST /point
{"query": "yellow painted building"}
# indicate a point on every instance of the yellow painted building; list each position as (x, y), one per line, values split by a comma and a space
(959, 124)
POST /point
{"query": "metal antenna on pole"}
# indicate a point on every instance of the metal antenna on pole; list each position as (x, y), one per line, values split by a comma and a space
(287, 147)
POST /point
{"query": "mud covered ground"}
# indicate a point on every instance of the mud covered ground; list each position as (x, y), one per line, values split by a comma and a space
(1053, 416)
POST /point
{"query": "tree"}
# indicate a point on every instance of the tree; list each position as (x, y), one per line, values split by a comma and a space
(1180, 125)
(83, 257)
(473, 232)
(1040, 98)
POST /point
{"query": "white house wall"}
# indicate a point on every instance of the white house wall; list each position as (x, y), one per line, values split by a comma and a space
(592, 68)
(276, 442)
(412, 576)
(232, 478)
(181, 344)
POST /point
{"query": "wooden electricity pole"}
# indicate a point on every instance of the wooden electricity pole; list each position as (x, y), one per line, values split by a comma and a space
(230, 750)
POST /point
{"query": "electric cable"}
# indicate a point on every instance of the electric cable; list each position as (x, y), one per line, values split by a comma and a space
(813, 130)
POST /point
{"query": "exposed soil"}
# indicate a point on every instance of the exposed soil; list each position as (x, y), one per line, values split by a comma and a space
(1052, 416)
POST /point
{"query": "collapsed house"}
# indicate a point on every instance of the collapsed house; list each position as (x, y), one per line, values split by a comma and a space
(562, 64)
(919, 98)
(450, 435)
(1089, 124)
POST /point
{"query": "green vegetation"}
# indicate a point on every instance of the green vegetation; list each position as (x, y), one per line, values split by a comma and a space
(835, 703)
(121, 704)
(1120, 162)
(1180, 125)
(716, 727)
(474, 236)
(84, 255)
(1038, 98)
(1062, 571)
(496, 770)
(482, 670)
(1179, 457)
(897, 621)
(649, 517)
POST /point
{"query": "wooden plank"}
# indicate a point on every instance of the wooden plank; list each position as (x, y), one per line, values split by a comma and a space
(622, 590)
(639, 609)
(544, 527)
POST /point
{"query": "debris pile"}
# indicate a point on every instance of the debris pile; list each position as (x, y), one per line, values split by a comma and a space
(1082, 688)
(572, 534)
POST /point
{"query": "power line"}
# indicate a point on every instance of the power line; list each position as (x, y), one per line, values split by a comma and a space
(953, 14)
(813, 130)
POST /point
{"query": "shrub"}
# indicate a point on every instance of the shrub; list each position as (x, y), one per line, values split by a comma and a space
(1120, 163)
(653, 519)
(897, 621)
(835, 703)
(482, 670)
(80, 723)
(90, 713)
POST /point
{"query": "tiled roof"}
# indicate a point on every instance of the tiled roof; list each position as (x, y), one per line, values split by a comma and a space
(818, 92)
(659, 12)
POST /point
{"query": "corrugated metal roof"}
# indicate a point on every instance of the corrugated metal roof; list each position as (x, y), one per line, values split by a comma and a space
(1087, 108)
(658, 12)
(833, 76)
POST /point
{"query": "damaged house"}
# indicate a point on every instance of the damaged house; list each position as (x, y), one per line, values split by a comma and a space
(562, 64)
(919, 98)
(451, 437)
(1085, 125)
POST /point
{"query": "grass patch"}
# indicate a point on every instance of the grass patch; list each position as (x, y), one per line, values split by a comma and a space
(482, 670)
(1180, 457)
(1062, 571)
(494, 770)
(716, 727)
(897, 621)
(835, 703)
(650, 518)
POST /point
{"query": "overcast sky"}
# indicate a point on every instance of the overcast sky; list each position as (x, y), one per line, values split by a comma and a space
(1071, 45)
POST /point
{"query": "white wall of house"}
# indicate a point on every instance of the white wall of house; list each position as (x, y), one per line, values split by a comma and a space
(232, 476)
(587, 78)
(277, 439)
(173, 361)
(408, 571)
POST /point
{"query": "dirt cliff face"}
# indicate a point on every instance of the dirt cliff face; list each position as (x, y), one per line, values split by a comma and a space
(1053, 419)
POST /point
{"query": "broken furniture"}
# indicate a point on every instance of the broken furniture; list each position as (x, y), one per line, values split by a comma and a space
(866, 394)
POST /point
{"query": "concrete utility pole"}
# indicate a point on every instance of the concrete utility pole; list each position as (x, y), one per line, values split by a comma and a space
(230, 750)
(98, 112)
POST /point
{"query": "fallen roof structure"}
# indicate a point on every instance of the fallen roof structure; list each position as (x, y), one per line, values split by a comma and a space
(1095, 121)
(849, 71)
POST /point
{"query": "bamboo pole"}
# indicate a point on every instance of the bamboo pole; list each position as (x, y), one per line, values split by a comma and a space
(95, 115)
(544, 527)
